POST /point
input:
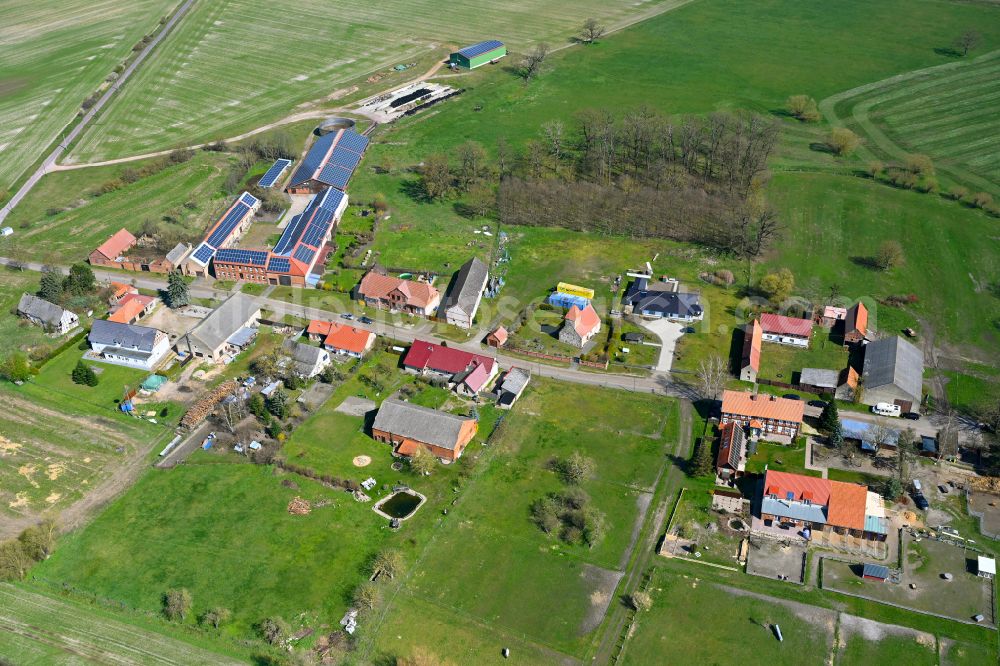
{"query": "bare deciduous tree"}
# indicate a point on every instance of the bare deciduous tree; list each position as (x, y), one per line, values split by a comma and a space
(712, 375)
(968, 41)
(531, 64)
(592, 31)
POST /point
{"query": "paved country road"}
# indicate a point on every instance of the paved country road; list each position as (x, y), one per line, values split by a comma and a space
(58, 151)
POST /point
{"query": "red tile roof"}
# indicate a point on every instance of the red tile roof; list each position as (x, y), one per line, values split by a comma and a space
(500, 334)
(780, 324)
(127, 312)
(319, 327)
(844, 502)
(752, 336)
(378, 286)
(857, 319)
(119, 289)
(115, 246)
(762, 406)
(348, 338)
(585, 320)
(441, 359)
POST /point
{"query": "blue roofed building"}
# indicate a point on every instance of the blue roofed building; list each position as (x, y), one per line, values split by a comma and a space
(330, 162)
(226, 231)
(476, 55)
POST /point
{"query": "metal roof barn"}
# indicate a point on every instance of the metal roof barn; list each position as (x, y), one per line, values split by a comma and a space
(478, 54)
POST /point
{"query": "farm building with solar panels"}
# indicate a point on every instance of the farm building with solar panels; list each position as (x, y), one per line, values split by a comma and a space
(223, 234)
(295, 255)
(478, 54)
(274, 173)
(330, 162)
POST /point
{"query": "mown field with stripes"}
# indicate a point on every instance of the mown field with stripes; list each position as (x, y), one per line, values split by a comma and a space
(947, 112)
(236, 64)
(53, 55)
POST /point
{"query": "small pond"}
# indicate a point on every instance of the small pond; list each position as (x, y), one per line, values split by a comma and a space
(400, 504)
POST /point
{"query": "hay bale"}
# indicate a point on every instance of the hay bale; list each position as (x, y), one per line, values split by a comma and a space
(299, 506)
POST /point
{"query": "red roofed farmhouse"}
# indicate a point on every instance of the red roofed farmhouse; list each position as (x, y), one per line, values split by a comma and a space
(466, 373)
(785, 330)
(750, 366)
(111, 250)
(580, 326)
(390, 293)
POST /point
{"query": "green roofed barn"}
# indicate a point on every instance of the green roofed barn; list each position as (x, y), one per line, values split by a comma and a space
(478, 54)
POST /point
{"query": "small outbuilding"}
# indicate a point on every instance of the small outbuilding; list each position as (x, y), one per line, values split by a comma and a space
(497, 338)
(986, 567)
(875, 572)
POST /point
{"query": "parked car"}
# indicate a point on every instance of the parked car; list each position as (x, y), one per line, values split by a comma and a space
(913, 416)
(887, 409)
(818, 403)
(920, 501)
(347, 315)
(791, 396)
(366, 320)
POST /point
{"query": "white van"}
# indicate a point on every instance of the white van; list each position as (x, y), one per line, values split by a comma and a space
(887, 409)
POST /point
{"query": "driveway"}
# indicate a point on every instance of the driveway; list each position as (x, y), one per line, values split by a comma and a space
(669, 333)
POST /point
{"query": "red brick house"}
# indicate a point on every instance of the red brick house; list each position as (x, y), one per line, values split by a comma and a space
(110, 251)
(409, 427)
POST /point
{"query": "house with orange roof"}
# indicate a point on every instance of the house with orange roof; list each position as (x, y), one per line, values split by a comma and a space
(752, 338)
(580, 326)
(763, 415)
(814, 506)
(349, 341)
(390, 293)
(856, 324)
(785, 330)
(131, 308)
(111, 251)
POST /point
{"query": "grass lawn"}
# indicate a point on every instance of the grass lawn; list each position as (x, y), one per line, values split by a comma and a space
(887, 649)
(780, 457)
(114, 380)
(972, 388)
(784, 362)
(692, 519)
(223, 532)
(561, 589)
(693, 620)
(189, 194)
(53, 55)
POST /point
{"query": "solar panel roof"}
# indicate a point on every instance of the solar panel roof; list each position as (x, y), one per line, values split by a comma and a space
(204, 253)
(314, 158)
(315, 233)
(290, 236)
(480, 48)
(345, 158)
(353, 141)
(246, 257)
(274, 173)
(334, 176)
(305, 254)
(249, 199)
(279, 265)
(228, 223)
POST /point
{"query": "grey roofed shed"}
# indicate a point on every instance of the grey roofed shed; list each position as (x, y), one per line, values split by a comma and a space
(125, 336)
(224, 321)
(894, 361)
(422, 424)
(176, 255)
(820, 377)
(40, 309)
(466, 287)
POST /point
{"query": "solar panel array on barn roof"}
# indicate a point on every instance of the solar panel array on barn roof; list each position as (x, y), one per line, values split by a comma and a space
(332, 159)
(204, 253)
(246, 257)
(480, 48)
(272, 175)
(279, 265)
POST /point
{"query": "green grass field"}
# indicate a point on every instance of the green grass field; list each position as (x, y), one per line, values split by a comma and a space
(41, 628)
(188, 193)
(946, 112)
(490, 567)
(53, 55)
(192, 88)
(782, 362)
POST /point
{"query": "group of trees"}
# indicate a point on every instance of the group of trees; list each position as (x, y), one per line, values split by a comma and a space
(386, 564)
(570, 515)
(34, 544)
(639, 174)
(57, 288)
(84, 374)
